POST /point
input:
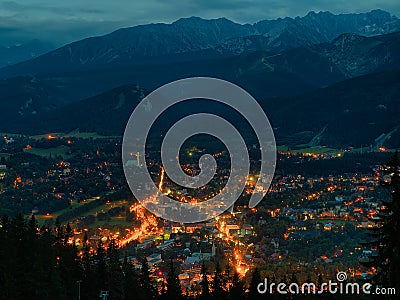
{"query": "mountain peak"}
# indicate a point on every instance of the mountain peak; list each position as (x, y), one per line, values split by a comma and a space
(319, 14)
(379, 12)
(189, 19)
(198, 20)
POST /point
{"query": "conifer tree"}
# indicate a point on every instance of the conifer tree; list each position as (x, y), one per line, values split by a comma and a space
(294, 279)
(146, 284)
(67, 258)
(89, 280)
(386, 230)
(284, 279)
(174, 290)
(217, 283)
(237, 290)
(205, 285)
(101, 268)
(320, 281)
(308, 280)
(115, 275)
(131, 284)
(255, 281)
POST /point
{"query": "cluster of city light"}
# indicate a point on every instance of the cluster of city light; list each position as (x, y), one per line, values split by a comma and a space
(148, 221)
(240, 265)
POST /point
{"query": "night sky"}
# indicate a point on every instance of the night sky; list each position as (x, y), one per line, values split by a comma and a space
(64, 21)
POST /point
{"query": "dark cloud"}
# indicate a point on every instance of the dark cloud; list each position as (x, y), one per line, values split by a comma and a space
(65, 21)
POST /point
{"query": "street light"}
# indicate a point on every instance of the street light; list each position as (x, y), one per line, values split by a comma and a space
(79, 289)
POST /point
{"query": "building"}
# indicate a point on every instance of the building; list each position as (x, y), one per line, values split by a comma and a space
(166, 245)
(154, 259)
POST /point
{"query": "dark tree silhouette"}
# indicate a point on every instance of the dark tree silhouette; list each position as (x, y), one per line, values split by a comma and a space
(386, 230)
(115, 275)
(174, 290)
(131, 282)
(101, 268)
(146, 284)
(68, 263)
(255, 281)
(319, 282)
(237, 290)
(28, 261)
(294, 279)
(205, 285)
(217, 283)
(88, 273)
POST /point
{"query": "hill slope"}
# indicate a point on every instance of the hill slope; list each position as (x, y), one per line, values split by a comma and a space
(350, 113)
(264, 74)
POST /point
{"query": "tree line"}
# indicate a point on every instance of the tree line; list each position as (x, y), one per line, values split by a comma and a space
(44, 263)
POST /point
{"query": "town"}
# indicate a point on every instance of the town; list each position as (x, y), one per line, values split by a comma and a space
(311, 223)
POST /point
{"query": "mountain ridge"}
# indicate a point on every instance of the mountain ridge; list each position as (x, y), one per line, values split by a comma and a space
(263, 74)
(156, 42)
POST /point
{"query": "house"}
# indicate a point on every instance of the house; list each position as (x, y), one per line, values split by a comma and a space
(248, 229)
(166, 245)
(154, 259)
(258, 261)
(202, 256)
(192, 260)
(184, 277)
(146, 243)
(273, 256)
(231, 229)
(328, 227)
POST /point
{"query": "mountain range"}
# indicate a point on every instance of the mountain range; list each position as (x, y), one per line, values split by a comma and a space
(283, 63)
(194, 37)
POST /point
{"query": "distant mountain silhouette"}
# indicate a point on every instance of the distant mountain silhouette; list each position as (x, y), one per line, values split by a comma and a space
(191, 38)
